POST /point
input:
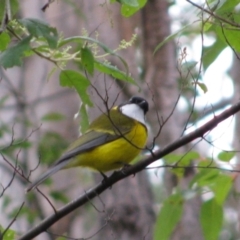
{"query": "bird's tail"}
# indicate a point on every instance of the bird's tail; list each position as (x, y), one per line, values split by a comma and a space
(48, 173)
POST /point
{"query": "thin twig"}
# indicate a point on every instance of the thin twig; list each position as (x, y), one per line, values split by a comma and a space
(117, 176)
(214, 15)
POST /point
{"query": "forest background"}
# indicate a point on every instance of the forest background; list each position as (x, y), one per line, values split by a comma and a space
(60, 58)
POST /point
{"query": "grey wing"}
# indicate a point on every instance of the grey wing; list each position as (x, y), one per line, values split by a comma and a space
(95, 139)
(99, 139)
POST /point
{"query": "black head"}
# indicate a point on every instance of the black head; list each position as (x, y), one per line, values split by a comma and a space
(141, 102)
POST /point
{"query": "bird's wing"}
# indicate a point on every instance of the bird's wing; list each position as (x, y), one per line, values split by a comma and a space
(86, 142)
(110, 126)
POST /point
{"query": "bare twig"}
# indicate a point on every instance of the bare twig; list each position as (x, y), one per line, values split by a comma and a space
(214, 15)
(45, 6)
(13, 220)
(6, 15)
(117, 176)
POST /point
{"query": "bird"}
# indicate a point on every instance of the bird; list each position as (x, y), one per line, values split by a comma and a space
(112, 141)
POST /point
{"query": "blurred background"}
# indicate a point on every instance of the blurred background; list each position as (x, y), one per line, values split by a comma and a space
(187, 78)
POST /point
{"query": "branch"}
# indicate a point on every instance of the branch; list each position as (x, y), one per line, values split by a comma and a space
(214, 15)
(209, 111)
(117, 176)
(11, 223)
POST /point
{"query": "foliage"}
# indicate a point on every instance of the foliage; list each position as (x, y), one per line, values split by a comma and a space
(7, 234)
(168, 217)
(20, 39)
(221, 22)
(129, 7)
(35, 37)
(23, 38)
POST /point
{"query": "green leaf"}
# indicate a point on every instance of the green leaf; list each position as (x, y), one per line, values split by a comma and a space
(84, 123)
(13, 55)
(4, 41)
(180, 161)
(80, 39)
(129, 7)
(48, 181)
(6, 201)
(39, 28)
(236, 18)
(172, 158)
(202, 86)
(17, 144)
(183, 159)
(59, 196)
(211, 218)
(221, 187)
(25, 212)
(212, 52)
(192, 155)
(225, 6)
(50, 147)
(53, 116)
(219, 183)
(228, 35)
(226, 156)
(87, 60)
(178, 171)
(206, 26)
(70, 78)
(8, 235)
(170, 37)
(168, 217)
(131, 3)
(22, 143)
(61, 238)
(205, 177)
(206, 163)
(116, 73)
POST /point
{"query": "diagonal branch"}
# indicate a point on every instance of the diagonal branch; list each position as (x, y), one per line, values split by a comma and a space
(117, 176)
(214, 15)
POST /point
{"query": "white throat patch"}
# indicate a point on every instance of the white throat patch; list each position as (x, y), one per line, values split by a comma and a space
(133, 111)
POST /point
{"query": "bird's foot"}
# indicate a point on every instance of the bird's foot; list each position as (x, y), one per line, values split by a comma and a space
(105, 177)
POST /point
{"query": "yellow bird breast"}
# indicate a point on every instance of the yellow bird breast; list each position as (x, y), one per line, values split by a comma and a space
(115, 154)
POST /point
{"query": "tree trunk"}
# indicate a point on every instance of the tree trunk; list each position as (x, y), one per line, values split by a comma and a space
(161, 76)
